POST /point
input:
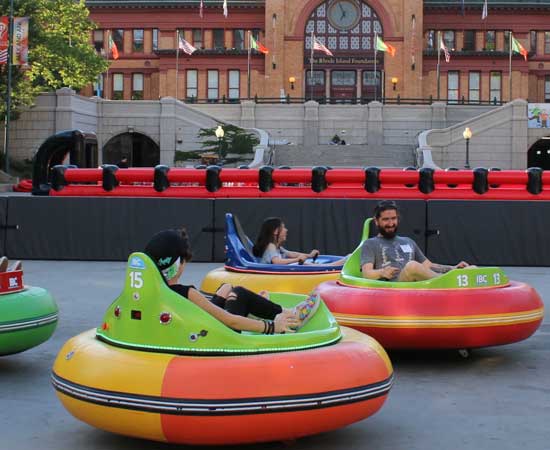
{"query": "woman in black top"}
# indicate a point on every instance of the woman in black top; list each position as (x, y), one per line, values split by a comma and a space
(231, 305)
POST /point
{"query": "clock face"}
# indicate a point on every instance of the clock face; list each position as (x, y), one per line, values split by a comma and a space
(343, 14)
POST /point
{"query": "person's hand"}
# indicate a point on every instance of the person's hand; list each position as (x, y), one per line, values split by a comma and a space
(314, 253)
(461, 265)
(285, 322)
(388, 272)
(301, 259)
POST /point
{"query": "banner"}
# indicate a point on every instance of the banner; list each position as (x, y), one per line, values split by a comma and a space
(4, 24)
(20, 40)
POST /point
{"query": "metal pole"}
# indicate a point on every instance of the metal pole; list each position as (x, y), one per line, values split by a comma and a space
(311, 69)
(467, 165)
(510, 66)
(375, 80)
(248, 68)
(177, 59)
(8, 93)
(438, 45)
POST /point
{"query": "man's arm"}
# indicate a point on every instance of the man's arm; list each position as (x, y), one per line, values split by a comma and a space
(443, 268)
(371, 273)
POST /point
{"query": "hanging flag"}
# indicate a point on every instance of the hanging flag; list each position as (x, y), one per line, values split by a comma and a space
(257, 45)
(485, 11)
(463, 8)
(381, 46)
(20, 54)
(445, 51)
(201, 9)
(225, 12)
(113, 49)
(518, 48)
(4, 39)
(318, 46)
(185, 46)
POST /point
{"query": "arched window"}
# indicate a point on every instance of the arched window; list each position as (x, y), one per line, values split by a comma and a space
(343, 26)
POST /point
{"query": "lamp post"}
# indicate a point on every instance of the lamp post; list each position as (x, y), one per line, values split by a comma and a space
(394, 82)
(292, 80)
(467, 134)
(219, 134)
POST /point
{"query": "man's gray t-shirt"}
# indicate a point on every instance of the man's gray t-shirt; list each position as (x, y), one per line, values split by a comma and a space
(395, 252)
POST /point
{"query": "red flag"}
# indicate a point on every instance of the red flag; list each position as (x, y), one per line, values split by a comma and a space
(318, 46)
(4, 21)
(257, 45)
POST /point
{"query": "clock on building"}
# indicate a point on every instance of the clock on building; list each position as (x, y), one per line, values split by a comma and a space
(344, 14)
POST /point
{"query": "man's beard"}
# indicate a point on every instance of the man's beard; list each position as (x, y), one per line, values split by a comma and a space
(388, 234)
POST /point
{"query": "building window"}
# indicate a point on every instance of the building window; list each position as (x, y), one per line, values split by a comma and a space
(118, 39)
(234, 84)
(98, 40)
(213, 86)
(256, 34)
(490, 40)
(547, 42)
(547, 89)
(98, 86)
(449, 39)
(198, 41)
(219, 41)
(118, 86)
(507, 40)
(495, 85)
(469, 40)
(430, 39)
(452, 86)
(192, 85)
(533, 41)
(318, 78)
(238, 39)
(137, 41)
(474, 80)
(137, 86)
(155, 39)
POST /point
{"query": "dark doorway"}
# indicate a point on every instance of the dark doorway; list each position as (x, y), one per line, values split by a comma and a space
(539, 154)
(140, 150)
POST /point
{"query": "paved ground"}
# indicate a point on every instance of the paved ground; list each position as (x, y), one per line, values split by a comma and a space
(499, 398)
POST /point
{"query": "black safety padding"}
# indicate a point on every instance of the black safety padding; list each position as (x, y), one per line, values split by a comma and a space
(213, 181)
(534, 180)
(489, 232)
(333, 226)
(426, 181)
(244, 166)
(200, 166)
(102, 228)
(109, 177)
(451, 169)
(284, 167)
(481, 180)
(4, 224)
(318, 179)
(58, 177)
(265, 181)
(160, 180)
(372, 179)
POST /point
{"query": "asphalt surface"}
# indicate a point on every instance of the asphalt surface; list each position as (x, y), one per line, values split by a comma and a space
(498, 398)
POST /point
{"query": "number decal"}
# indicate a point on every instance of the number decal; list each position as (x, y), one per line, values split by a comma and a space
(462, 280)
(496, 278)
(136, 281)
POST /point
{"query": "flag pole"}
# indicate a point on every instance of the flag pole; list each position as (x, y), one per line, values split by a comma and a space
(510, 65)
(8, 93)
(109, 37)
(311, 67)
(248, 66)
(438, 45)
(177, 60)
(375, 52)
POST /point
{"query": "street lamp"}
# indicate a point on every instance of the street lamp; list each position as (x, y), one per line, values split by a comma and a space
(219, 134)
(292, 80)
(467, 134)
(394, 82)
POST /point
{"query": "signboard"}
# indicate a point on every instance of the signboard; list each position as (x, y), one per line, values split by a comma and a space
(538, 115)
(355, 60)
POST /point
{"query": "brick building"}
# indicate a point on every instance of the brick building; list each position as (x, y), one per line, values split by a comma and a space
(145, 31)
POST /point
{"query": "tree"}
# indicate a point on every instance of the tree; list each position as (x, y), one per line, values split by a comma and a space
(60, 50)
(235, 140)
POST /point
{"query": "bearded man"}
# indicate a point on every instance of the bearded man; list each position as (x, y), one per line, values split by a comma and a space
(389, 257)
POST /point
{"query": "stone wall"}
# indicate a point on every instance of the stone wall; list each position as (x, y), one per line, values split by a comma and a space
(376, 134)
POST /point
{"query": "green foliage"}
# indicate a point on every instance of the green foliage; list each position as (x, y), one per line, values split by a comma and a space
(235, 140)
(60, 50)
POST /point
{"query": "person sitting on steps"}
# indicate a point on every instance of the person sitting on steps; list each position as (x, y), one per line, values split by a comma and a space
(389, 257)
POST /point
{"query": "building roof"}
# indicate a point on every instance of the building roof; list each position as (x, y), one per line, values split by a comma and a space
(170, 3)
(490, 3)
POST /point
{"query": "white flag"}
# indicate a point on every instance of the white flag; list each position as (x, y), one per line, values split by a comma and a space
(445, 51)
(185, 46)
(485, 11)
(225, 12)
